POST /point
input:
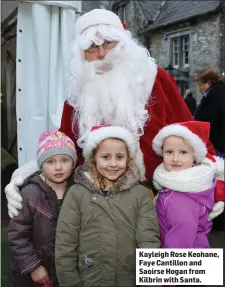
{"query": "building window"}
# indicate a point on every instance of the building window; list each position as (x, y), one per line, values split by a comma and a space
(180, 51)
(186, 49)
(175, 52)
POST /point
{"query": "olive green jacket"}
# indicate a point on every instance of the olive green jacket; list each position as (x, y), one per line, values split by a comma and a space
(97, 235)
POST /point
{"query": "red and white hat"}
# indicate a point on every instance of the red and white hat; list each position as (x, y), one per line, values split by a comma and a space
(96, 17)
(194, 132)
(100, 133)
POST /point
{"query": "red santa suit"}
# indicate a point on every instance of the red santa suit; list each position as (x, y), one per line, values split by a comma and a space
(165, 106)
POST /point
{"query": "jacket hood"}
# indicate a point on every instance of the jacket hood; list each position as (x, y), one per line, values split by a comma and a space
(127, 180)
(205, 197)
(37, 180)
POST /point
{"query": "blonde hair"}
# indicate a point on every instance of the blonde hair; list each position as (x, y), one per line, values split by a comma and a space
(99, 180)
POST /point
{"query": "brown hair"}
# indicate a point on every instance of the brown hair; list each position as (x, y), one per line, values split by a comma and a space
(209, 74)
(99, 180)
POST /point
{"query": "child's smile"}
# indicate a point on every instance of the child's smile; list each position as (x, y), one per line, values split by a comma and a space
(111, 160)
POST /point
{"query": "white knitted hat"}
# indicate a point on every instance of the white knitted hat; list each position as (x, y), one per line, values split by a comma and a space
(100, 133)
(194, 132)
(96, 17)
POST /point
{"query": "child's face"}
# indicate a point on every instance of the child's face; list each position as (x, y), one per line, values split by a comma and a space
(111, 159)
(177, 154)
(58, 168)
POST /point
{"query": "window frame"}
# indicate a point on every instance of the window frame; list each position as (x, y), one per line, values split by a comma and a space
(183, 51)
(175, 53)
(179, 34)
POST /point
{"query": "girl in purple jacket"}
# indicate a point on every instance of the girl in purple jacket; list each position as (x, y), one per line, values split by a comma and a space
(186, 183)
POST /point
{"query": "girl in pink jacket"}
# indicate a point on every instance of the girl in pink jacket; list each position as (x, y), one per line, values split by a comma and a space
(186, 180)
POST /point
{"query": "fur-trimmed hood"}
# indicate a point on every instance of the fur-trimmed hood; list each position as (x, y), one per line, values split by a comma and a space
(127, 180)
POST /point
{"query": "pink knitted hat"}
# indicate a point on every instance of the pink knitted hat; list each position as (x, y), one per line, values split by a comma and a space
(54, 143)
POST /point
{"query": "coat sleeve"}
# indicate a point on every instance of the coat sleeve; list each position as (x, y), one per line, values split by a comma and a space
(20, 240)
(68, 129)
(182, 217)
(209, 107)
(67, 241)
(147, 232)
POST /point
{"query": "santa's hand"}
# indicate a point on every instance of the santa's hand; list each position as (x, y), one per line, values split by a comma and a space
(12, 191)
(217, 210)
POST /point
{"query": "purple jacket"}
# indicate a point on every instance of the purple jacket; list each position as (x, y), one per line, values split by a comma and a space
(183, 218)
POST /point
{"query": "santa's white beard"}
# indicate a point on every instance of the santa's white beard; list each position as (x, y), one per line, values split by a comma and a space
(116, 97)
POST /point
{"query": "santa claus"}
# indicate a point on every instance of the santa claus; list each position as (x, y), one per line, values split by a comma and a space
(115, 81)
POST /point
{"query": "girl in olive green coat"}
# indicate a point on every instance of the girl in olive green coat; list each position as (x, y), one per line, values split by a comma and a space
(106, 215)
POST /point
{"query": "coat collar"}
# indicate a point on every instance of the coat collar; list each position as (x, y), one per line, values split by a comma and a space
(83, 176)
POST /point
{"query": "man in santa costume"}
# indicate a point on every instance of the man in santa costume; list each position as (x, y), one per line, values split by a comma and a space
(115, 81)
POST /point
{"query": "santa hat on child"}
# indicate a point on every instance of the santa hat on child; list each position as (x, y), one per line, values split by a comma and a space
(194, 132)
(100, 133)
(197, 135)
(53, 143)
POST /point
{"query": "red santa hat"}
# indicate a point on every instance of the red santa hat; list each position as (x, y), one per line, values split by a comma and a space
(197, 135)
(100, 133)
(194, 132)
(96, 17)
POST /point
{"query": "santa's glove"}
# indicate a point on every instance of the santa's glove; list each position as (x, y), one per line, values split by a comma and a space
(12, 191)
(216, 210)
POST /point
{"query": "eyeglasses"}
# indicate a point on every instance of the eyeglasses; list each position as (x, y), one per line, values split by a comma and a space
(106, 45)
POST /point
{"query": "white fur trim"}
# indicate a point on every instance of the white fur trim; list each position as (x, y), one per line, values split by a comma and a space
(98, 135)
(200, 149)
(96, 17)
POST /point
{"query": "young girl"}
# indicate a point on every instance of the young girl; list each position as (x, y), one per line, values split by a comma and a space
(106, 215)
(186, 180)
(32, 233)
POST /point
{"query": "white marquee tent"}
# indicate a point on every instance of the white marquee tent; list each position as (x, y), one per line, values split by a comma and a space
(44, 32)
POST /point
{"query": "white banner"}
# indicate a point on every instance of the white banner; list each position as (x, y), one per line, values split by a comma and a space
(179, 266)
